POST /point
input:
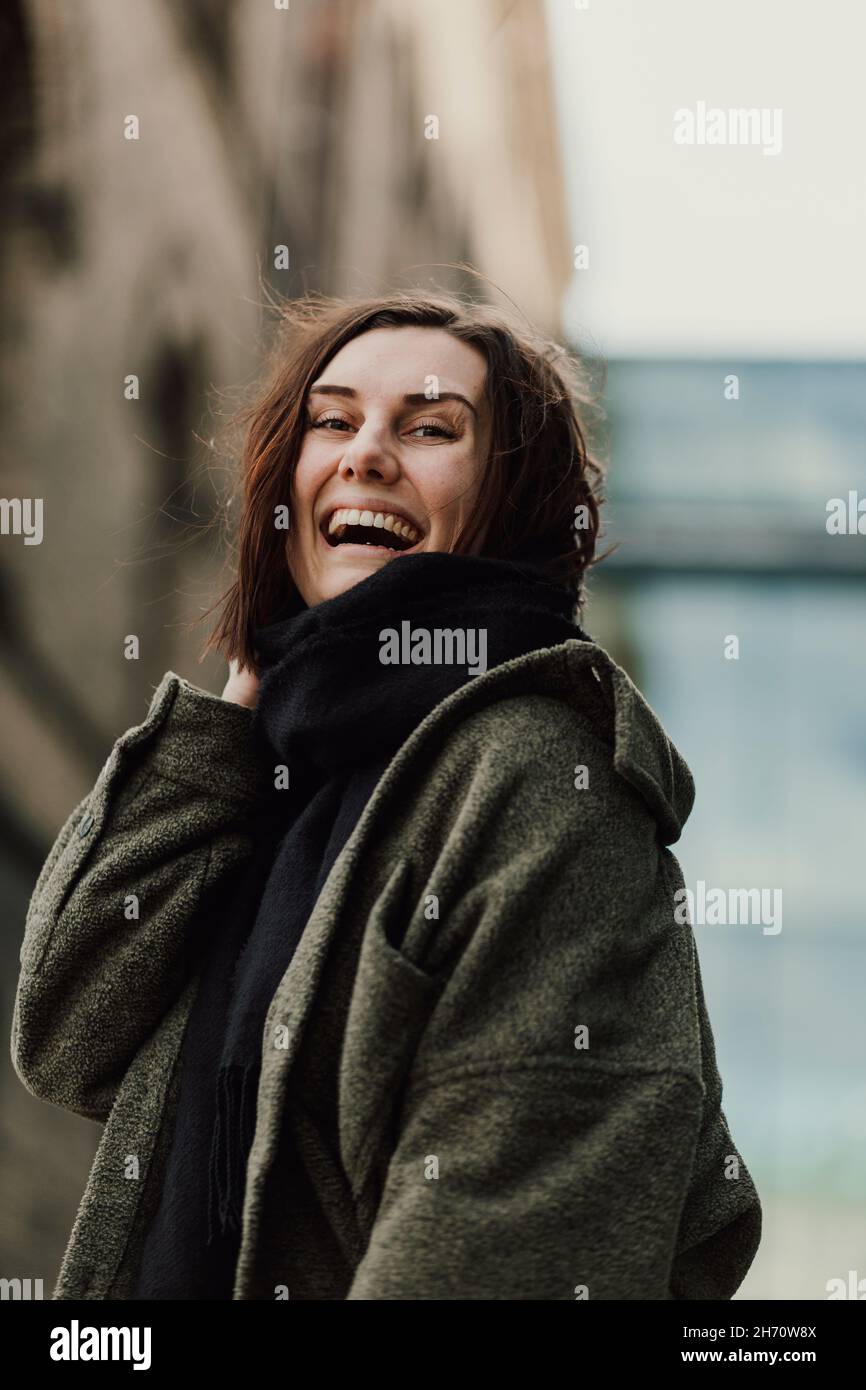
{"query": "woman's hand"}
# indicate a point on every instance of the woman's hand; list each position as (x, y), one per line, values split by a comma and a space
(242, 687)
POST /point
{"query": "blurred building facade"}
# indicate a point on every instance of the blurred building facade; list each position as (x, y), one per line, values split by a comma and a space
(370, 138)
(726, 294)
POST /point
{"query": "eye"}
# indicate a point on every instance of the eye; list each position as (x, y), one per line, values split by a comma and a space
(329, 419)
(434, 425)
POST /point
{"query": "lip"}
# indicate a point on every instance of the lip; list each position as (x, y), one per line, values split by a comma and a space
(369, 504)
(352, 548)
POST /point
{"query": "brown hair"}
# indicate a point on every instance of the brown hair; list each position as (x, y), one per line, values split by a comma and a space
(540, 468)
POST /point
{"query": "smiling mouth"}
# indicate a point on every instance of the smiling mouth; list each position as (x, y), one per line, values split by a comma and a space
(362, 526)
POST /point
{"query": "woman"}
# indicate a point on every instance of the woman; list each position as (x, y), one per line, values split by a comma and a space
(371, 967)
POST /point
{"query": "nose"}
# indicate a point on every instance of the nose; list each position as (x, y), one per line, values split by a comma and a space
(366, 459)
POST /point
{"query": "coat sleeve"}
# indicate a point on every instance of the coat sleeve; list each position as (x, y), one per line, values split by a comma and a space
(545, 1146)
(109, 938)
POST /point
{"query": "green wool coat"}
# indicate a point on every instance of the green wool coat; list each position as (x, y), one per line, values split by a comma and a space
(488, 1072)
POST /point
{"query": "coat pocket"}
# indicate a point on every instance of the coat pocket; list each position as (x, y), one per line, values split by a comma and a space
(391, 1004)
(406, 919)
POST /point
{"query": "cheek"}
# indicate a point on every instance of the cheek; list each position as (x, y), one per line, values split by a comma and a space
(306, 482)
(451, 489)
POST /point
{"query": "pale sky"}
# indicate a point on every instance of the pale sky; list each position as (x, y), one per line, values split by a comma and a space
(702, 249)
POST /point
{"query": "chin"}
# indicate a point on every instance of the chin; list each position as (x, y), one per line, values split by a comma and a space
(349, 571)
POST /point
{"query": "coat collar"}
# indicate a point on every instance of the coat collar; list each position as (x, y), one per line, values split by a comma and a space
(643, 753)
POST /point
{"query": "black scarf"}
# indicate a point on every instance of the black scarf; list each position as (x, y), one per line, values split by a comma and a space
(334, 715)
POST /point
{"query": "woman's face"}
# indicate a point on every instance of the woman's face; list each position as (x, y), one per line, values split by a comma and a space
(390, 463)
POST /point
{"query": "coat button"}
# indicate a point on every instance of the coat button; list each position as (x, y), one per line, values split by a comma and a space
(85, 825)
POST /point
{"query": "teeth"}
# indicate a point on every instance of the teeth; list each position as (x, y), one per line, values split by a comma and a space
(353, 516)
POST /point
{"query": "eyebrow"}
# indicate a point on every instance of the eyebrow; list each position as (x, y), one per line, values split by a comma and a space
(414, 398)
